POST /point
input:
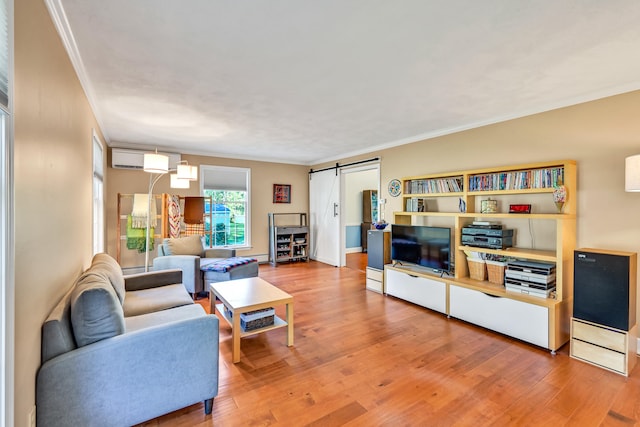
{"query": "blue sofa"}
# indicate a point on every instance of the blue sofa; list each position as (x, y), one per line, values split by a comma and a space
(119, 350)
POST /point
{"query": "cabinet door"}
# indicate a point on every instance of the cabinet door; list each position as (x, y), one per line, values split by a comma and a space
(518, 319)
(418, 290)
(369, 206)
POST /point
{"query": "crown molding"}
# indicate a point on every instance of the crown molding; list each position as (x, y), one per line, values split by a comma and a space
(59, 18)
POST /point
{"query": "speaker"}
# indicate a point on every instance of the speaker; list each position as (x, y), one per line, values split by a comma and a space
(604, 287)
(379, 249)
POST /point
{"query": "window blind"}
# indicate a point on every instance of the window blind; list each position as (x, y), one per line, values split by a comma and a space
(224, 178)
(4, 54)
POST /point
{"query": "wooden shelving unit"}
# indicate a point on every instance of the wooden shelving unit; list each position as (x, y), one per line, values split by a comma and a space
(125, 204)
(533, 182)
(161, 231)
(288, 242)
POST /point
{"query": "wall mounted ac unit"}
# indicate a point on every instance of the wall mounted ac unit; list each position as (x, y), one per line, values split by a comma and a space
(124, 158)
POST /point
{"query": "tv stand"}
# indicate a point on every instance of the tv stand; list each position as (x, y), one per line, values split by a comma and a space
(418, 287)
(540, 321)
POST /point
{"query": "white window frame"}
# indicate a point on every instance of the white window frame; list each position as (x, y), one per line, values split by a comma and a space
(247, 172)
(98, 194)
(7, 241)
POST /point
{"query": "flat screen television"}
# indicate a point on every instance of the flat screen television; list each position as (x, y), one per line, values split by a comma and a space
(422, 245)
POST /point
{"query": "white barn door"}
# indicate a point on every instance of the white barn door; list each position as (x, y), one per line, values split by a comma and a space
(324, 221)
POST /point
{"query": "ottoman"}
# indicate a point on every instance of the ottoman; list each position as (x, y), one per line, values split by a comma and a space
(221, 270)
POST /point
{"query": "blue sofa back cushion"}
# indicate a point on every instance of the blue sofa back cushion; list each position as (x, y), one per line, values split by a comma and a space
(112, 270)
(57, 333)
(190, 245)
(96, 312)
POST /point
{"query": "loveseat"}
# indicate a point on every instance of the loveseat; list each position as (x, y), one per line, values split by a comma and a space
(201, 266)
(119, 350)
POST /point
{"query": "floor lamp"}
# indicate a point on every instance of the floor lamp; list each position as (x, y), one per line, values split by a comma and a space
(157, 165)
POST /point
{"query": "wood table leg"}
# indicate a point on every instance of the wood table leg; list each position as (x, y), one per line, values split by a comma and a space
(290, 324)
(235, 337)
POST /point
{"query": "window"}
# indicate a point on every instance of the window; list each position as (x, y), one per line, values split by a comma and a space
(98, 196)
(4, 53)
(7, 249)
(230, 193)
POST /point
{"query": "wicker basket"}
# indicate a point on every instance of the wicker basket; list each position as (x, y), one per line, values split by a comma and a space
(477, 270)
(495, 270)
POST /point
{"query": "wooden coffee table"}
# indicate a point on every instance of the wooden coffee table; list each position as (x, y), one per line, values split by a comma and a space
(243, 295)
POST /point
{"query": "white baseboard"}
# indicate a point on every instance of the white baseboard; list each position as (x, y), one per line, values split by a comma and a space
(132, 270)
(353, 250)
(262, 258)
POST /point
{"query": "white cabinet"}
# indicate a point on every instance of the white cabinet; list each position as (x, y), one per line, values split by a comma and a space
(375, 280)
(417, 289)
(604, 346)
(528, 322)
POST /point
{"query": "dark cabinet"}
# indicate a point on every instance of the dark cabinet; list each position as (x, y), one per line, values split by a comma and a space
(379, 253)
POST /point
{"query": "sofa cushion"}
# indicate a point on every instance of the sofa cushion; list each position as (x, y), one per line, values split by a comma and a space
(112, 270)
(96, 312)
(155, 299)
(143, 321)
(227, 264)
(239, 272)
(191, 245)
(57, 333)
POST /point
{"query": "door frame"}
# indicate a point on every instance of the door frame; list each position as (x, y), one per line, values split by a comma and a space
(344, 171)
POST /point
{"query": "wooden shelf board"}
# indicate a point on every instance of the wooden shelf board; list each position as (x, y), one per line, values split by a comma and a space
(428, 195)
(277, 323)
(534, 254)
(510, 191)
(553, 216)
(500, 291)
(549, 216)
(425, 213)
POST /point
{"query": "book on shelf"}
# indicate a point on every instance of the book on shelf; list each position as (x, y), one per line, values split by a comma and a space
(416, 205)
(435, 185)
(517, 180)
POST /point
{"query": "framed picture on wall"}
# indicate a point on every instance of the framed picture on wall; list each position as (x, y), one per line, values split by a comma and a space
(281, 193)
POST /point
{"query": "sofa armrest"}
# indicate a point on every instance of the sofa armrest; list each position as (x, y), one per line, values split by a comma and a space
(190, 266)
(152, 279)
(219, 253)
(131, 378)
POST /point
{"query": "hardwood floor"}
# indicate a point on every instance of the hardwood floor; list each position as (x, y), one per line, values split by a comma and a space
(363, 359)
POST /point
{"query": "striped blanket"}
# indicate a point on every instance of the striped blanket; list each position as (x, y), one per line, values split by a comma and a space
(227, 264)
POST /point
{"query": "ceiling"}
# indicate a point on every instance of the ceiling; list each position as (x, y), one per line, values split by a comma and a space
(303, 81)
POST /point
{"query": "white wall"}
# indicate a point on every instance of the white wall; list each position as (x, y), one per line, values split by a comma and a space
(355, 184)
(598, 135)
(53, 186)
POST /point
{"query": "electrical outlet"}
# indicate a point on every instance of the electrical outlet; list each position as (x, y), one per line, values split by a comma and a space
(31, 421)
